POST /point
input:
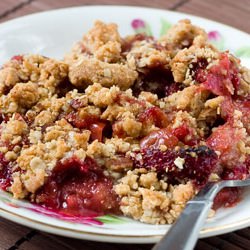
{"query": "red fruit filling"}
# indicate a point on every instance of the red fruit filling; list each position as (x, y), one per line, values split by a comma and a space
(118, 130)
(224, 140)
(5, 173)
(227, 108)
(159, 137)
(90, 122)
(129, 42)
(227, 197)
(198, 163)
(172, 88)
(244, 108)
(81, 122)
(156, 80)
(181, 132)
(124, 100)
(78, 188)
(18, 58)
(198, 70)
(77, 103)
(169, 137)
(222, 79)
(229, 105)
(3, 118)
(185, 134)
(156, 116)
(97, 130)
(240, 172)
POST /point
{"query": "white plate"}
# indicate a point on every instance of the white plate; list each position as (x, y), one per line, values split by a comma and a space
(52, 34)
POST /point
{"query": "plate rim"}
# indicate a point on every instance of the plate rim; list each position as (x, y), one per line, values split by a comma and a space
(121, 6)
(81, 234)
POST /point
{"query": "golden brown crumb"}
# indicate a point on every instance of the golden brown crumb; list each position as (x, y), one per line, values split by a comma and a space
(183, 35)
(146, 198)
(100, 35)
(86, 71)
(25, 94)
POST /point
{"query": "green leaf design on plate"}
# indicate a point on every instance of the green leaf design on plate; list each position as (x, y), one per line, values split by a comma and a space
(4, 199)
(216, 38)
(165, 26)
(219, 44)
(146, 30)
(243, 52)
(110, 219)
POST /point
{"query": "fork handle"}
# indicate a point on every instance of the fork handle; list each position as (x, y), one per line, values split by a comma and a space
(184, 233)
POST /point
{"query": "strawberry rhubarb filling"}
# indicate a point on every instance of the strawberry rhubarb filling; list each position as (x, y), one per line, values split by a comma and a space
(132, 126)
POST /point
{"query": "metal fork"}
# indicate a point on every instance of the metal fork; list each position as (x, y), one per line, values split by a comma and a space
(184, 233)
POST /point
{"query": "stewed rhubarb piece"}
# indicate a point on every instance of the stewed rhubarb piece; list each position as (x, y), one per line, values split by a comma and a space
(78, 188)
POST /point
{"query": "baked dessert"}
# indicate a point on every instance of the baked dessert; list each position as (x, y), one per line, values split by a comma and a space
(132, 126)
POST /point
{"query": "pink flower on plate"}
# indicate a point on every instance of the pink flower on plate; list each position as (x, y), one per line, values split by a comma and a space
(87, 220)
(216, 39)
(214, 35)
(138, 24)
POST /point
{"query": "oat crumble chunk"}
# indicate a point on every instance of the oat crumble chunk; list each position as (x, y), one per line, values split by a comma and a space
(132, 125)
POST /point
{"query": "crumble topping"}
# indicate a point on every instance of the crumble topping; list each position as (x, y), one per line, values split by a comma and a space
(133, 126)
